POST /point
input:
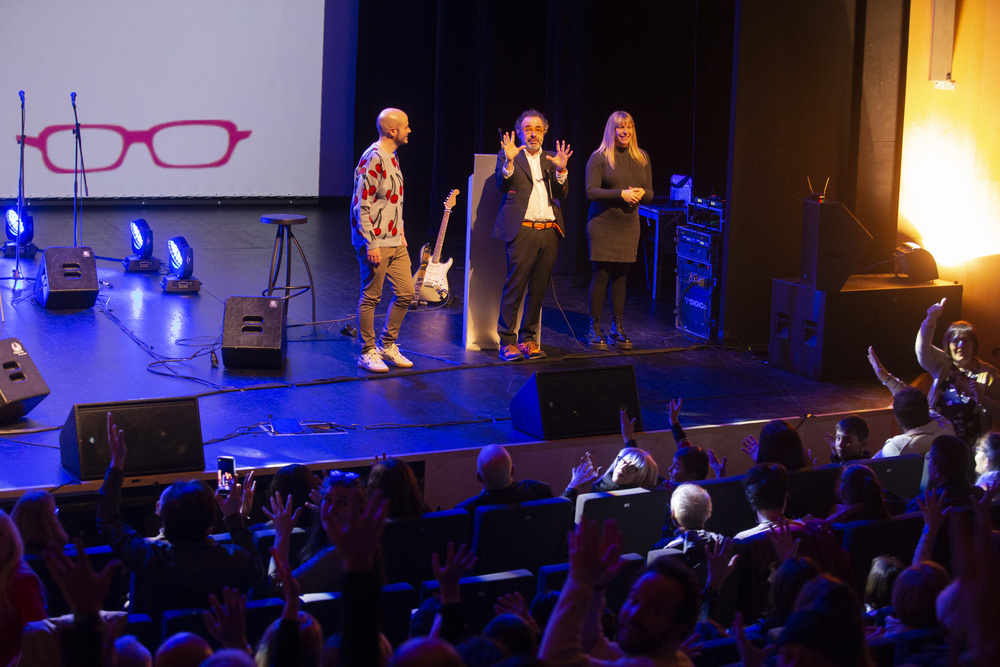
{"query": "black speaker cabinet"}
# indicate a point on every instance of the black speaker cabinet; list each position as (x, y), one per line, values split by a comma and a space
(253, 332)
(576, 402)
(67, 278)
(162, 435)
(825, 335)
(833, 242)
(21, 385)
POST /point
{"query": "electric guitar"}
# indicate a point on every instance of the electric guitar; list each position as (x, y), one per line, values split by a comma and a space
(430, 282)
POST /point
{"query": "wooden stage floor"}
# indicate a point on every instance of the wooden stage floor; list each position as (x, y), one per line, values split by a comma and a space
(453, 400)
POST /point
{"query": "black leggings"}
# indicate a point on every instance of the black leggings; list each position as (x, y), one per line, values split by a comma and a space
(610, 276)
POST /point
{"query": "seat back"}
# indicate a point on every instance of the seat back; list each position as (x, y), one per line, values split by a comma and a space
(552, 578)
(864, 540)
(731, 512)
(480, 593)
(55, 603)
(640, 514)
(812, 491)
(398, 600)
(899, 475)
(407, 544)
(263, 540)
(522, 535)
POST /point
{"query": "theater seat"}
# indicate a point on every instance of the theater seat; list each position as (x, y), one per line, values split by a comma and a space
(864, 540)
(640, 514)
(479, 594)
(552, 578)
(522, 535)
(407, 544)
(731, 512)
(55, 603)
(398, 600)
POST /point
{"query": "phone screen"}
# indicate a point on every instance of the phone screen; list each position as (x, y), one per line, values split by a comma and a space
(227, 473)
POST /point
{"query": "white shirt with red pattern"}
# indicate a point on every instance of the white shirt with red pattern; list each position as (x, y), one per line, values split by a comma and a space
(377, 203)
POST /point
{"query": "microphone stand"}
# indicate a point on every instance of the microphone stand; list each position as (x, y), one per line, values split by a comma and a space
(20, 202)
(78, 169)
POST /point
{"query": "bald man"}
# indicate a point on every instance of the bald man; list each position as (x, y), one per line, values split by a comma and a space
(495, 471)
(377, 236)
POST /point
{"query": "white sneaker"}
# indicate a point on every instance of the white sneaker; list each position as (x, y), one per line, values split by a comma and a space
(392, 355)
(372, 361)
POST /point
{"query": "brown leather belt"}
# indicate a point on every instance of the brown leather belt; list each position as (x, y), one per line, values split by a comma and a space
(538, 225)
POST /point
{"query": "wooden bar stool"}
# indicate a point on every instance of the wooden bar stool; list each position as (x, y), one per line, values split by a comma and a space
(284, 240)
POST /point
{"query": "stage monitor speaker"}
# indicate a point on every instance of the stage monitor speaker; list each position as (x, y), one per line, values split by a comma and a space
(833, 242)
(67, 278)
(253, 332)
(576, 402)
(21, 385)
(163, 436)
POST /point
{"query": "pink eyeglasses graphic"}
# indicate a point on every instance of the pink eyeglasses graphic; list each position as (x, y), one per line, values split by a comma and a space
(181, 144)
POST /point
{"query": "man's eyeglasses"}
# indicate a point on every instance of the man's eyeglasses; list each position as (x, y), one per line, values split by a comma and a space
(181, 144)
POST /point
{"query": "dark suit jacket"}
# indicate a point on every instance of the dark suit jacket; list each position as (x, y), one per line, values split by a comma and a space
(517, 191)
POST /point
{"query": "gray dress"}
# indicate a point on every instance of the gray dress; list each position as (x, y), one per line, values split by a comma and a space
(613, 225)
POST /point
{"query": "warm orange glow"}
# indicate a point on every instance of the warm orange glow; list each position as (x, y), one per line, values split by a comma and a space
(953, 214)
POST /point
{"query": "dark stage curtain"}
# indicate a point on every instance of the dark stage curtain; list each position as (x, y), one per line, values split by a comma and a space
(465, 69)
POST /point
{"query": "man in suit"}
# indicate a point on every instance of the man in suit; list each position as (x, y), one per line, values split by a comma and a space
(532, 181)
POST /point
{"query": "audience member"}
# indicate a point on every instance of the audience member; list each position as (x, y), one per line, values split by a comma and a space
(786, 583)
(185, 649)
(21, 598)
(659, 613)
(779, 443)
(129, 652)
(296, 638)
(322, 568)
(36, 517)
(229, 657)
(920, 425)
(850, 442)
(914, 597)
(966, 391)
(947, 472)
(690, 462)
(690, 508)
(298, 482)
(183, 569)
(766, 488)
(632, 468)
(881, 578)
(398, 484)
(495, 471)
(481, 651)
(860, 495)
(987, 460)
(425, 651)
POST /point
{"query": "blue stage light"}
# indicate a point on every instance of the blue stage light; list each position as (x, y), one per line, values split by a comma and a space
(181, 257)
(142, 238)
(20, 230)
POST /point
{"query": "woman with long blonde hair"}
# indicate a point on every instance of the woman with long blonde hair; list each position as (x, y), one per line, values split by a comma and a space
(619, 178)
(21, 598)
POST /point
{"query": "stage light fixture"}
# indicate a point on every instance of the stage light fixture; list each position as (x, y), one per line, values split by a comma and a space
(181, 258)
(142, 260)
(916, 263)
(20, 230)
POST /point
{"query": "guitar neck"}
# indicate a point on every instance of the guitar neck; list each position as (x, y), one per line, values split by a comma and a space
(436, 256)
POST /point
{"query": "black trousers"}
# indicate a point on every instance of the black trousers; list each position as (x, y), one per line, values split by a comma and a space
(530, 258)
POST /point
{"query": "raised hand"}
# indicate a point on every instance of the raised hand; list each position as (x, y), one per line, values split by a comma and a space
(359, 538)
(510, 148)
(227, 620)
(561, 158)
(880, 372)
(448, 574)
(721, 561)
(232, 504)
(628, 427)
(936, 309)
(83, 589)
(289, 586)
(583, 474)
(718, 466)
(595, 552)
(933, 509)
(750, 446)
(675, 410)
(116, 442)
(249, 488)
(785, 544)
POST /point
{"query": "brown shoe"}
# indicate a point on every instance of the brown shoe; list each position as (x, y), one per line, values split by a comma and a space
(530, 349)
(510, 353)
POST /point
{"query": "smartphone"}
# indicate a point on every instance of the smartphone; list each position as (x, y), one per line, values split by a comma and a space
(227, 474)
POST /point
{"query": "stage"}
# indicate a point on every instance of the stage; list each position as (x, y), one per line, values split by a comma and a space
(436, 415)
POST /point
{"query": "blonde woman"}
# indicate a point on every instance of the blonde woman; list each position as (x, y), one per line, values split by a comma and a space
(619, 178)
(21, 598)
(35, 516)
